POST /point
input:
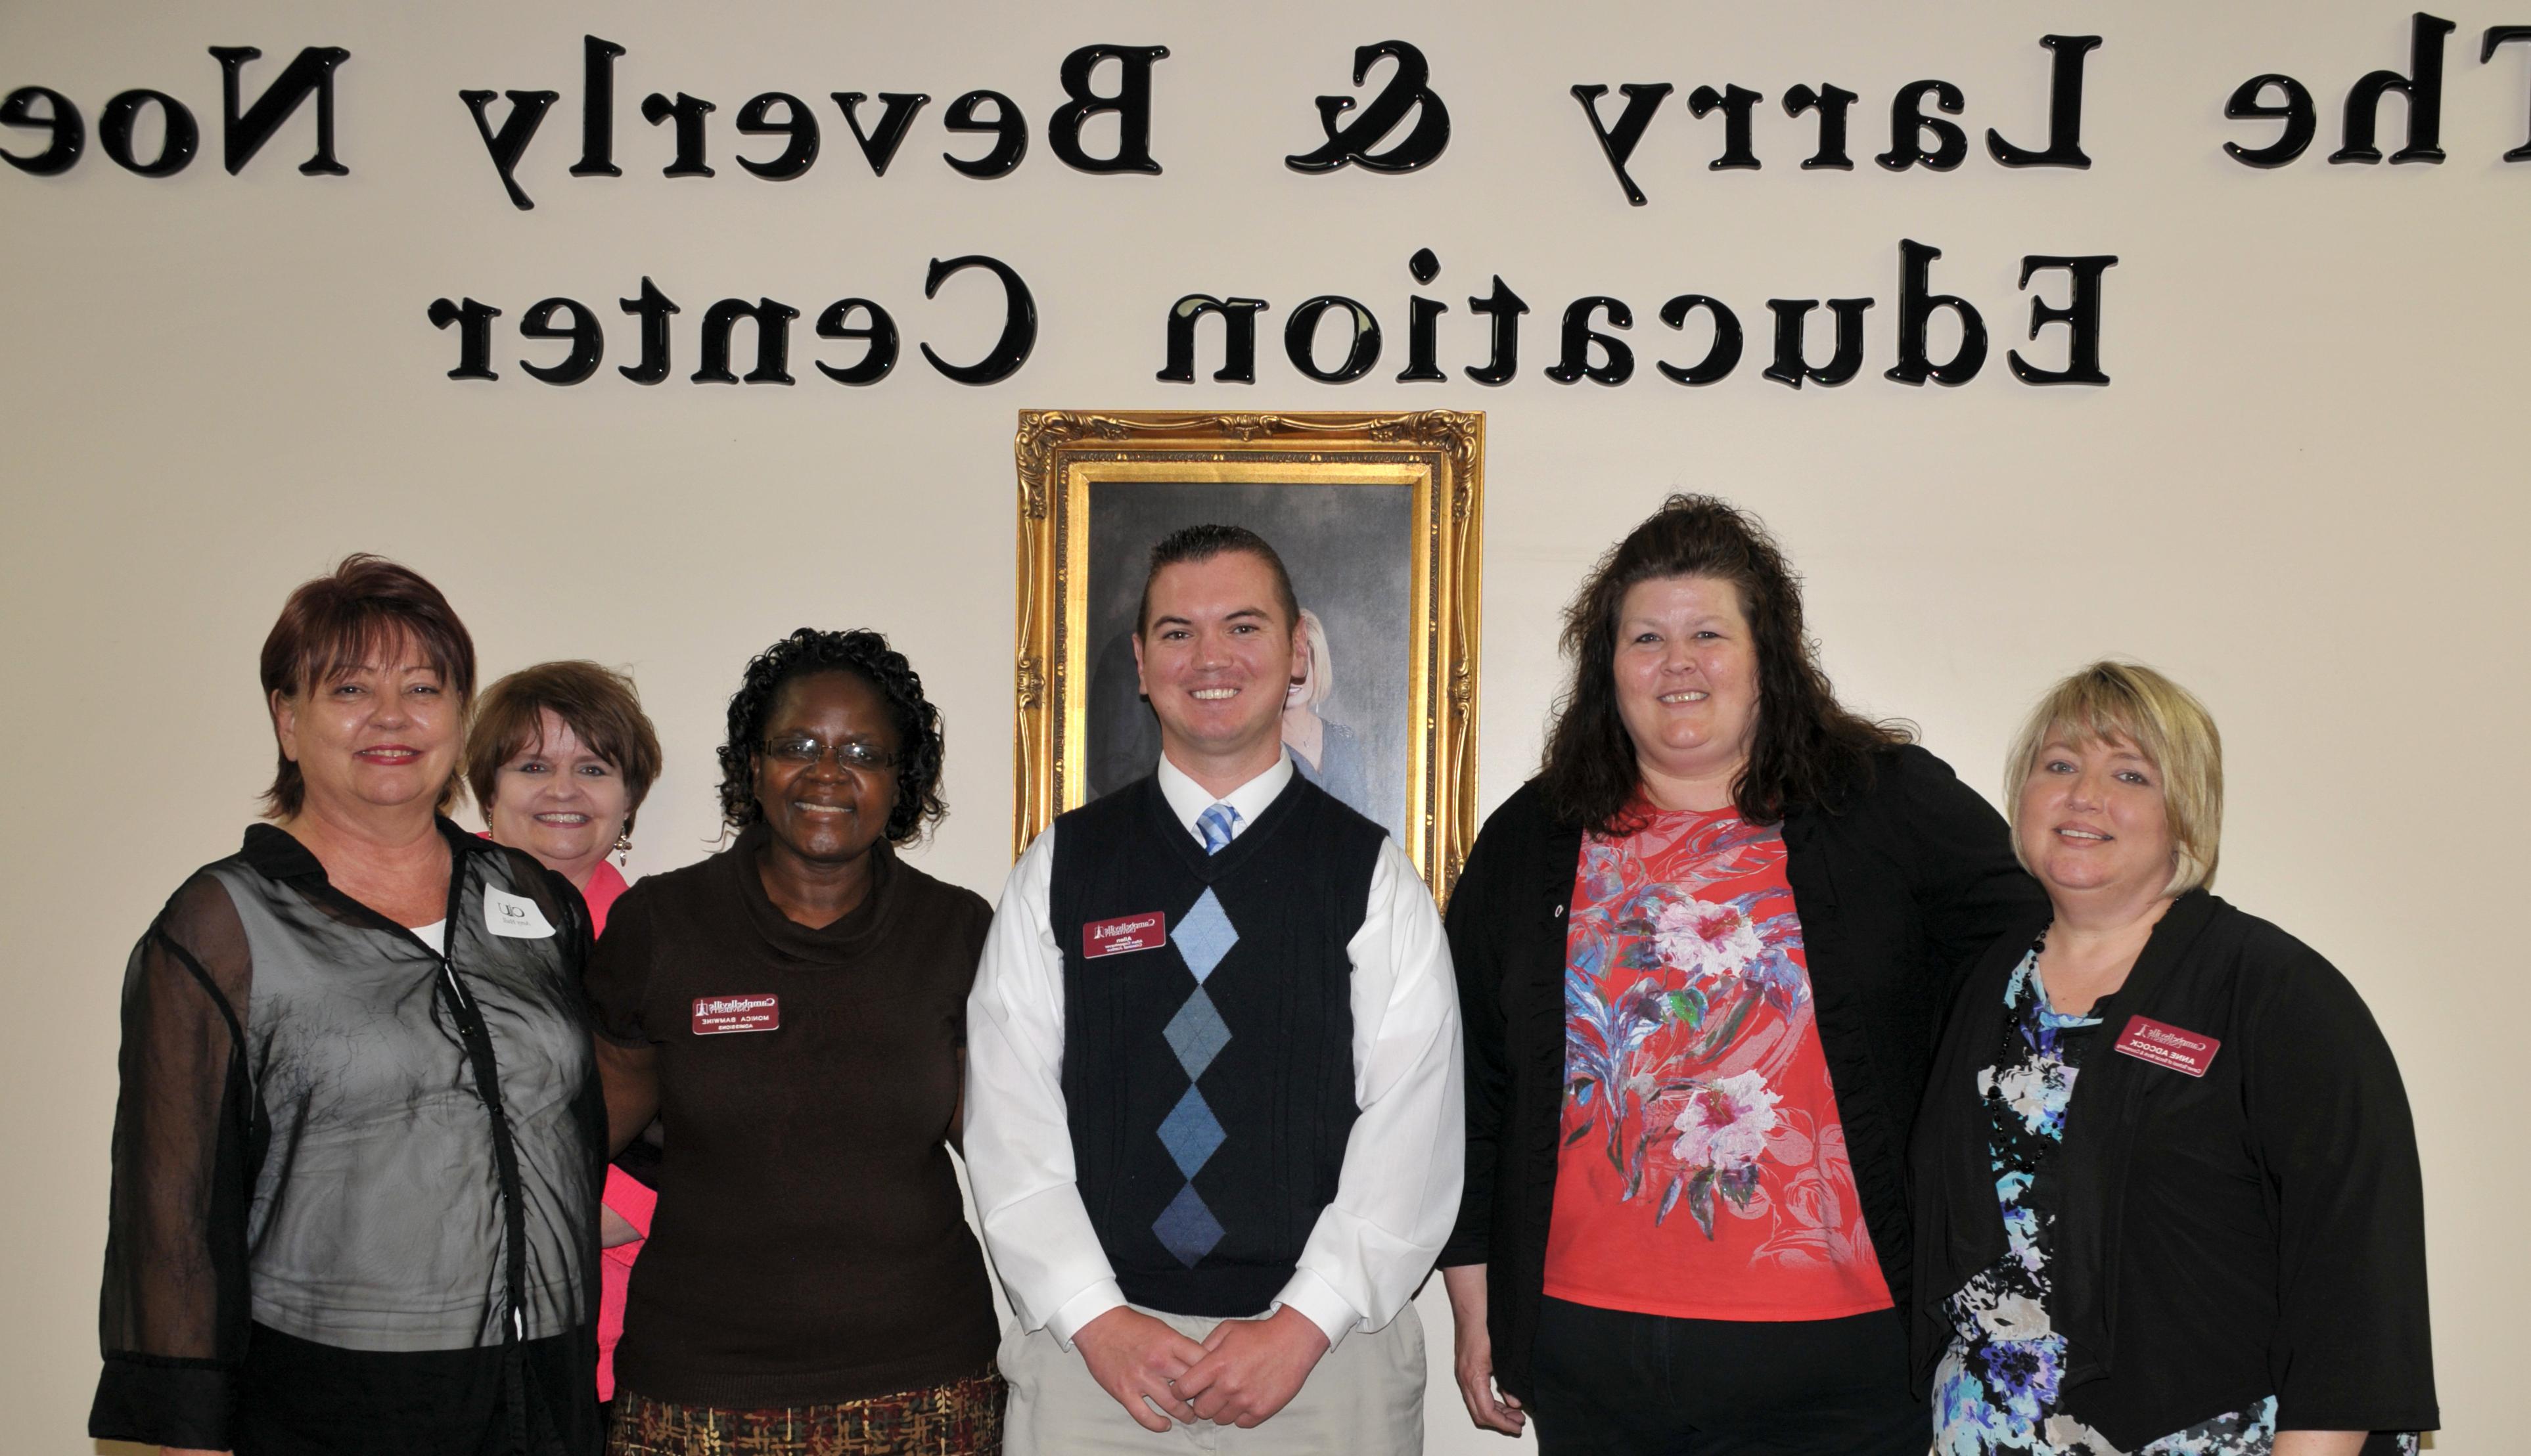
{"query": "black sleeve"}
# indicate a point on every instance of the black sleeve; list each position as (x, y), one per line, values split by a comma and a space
(173, 1313)
(2353, 1349)
(618, 981)
(1475, 917)
(1967, 885)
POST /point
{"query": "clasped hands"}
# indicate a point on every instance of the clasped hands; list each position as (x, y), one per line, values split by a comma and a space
(1242, 1374)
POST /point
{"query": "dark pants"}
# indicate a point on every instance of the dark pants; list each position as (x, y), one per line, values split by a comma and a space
(299, 1398)
(1612, 1384)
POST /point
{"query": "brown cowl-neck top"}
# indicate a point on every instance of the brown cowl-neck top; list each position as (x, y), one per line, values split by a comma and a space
(809, 1245)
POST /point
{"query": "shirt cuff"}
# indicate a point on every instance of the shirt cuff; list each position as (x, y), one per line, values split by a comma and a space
(1083, 1308)
(1315, 1297)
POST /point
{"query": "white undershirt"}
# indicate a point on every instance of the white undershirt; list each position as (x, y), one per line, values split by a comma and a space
(435, 935)
(1398, 1193)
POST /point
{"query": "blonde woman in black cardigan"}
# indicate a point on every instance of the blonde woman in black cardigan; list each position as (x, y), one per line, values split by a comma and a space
(2167, 1188)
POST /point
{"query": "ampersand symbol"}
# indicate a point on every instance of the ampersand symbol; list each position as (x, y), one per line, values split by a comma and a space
(1406, 92)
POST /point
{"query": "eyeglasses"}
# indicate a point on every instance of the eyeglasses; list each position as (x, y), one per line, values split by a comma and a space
(803, 752)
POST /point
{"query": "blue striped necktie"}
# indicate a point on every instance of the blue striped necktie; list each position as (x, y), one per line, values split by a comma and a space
(1215, 825)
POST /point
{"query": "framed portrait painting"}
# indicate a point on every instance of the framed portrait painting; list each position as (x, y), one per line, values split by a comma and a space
(1377, 516)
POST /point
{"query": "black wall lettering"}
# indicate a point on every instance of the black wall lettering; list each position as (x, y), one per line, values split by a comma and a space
(1010, 127)
(1422, 324)
(756, 119)
(1720, 357)
(880, 143)
(878, 336)
(1362, 348)
(588, 340)
(1238, 338)
(1791, 367)
(1909, 126)
(2422, 86)
(653, 307)
(2081, 316)
(690, 112)
(1131, 103)
(1408, 90)
(1502, 308)
(1830, 102)
(773, 322)
(598, 108)
(1617, 362)
(2302, 120)
(473, 336)
(510, 142)
(60, 118)
(2496, 35)
(2064, 109)
(1736, 103)
(175, 151)
(310, 73)
(1642, 100)
(1019, 319)
(1917, 302)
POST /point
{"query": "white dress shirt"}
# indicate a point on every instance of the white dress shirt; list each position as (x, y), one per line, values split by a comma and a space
(1398, 1193)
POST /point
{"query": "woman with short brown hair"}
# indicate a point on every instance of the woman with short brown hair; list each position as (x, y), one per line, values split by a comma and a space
(560, 758)
(357, 1149)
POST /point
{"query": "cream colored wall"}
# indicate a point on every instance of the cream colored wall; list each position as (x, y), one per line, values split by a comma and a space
(2301, 495)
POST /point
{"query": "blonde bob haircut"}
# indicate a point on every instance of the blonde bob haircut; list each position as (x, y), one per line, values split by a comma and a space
(2166, 723)
(1322, 667)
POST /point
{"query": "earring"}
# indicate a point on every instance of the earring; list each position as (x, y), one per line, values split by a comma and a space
(623, 846)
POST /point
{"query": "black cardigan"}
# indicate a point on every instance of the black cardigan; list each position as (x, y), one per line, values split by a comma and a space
(1898, 894)
(2256, 1231)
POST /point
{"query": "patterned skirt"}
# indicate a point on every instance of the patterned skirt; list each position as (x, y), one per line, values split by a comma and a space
(963, 1418)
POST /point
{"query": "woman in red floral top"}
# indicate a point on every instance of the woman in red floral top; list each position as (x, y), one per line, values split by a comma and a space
(1702, 959)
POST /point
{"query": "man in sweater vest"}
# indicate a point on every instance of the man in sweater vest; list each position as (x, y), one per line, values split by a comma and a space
(1213, 1113)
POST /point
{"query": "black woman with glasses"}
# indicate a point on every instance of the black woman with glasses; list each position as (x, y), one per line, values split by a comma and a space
(794, 1010)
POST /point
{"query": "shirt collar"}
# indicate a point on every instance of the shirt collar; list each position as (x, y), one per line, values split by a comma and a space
(1188, 799)
(276, 854)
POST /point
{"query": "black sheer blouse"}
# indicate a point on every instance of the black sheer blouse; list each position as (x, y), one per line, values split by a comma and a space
(356, 1178)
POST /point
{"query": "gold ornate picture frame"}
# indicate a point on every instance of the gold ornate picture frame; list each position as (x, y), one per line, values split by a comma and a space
(1379, 517)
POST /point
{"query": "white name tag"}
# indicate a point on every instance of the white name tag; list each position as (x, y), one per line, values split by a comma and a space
(514, 916)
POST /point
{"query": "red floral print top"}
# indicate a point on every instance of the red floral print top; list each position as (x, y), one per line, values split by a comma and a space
(1703, 1173)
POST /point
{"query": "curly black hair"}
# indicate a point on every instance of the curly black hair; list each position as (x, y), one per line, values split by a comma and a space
(866, 655)
(1808, 751)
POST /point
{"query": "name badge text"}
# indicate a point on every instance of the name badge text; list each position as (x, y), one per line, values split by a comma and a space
(1114, 938)
(2166, 1045)
(716, 1016)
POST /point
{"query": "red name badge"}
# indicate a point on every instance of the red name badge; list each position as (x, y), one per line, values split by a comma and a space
(2166, 1045)
(1125, 933)
(716, 1015)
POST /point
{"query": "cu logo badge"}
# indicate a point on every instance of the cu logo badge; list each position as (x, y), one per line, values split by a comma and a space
(514, 917)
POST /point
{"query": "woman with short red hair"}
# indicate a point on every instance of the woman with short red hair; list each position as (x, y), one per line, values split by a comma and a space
(357, 1145)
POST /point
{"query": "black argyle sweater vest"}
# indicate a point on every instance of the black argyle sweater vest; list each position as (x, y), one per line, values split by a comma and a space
(1208, 1052)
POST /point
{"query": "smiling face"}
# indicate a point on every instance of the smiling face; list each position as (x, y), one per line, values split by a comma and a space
(381, 736)
(1687, 686)
(2092, 820)
(821, 810)
(559, 801)
(1216, 659)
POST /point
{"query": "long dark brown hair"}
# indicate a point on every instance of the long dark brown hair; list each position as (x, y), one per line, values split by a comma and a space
(1807, 750)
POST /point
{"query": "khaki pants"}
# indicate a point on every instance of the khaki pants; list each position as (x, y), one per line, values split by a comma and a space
(1364, 1398)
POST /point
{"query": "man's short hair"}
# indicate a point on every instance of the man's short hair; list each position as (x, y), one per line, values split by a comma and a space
(1196, 543)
